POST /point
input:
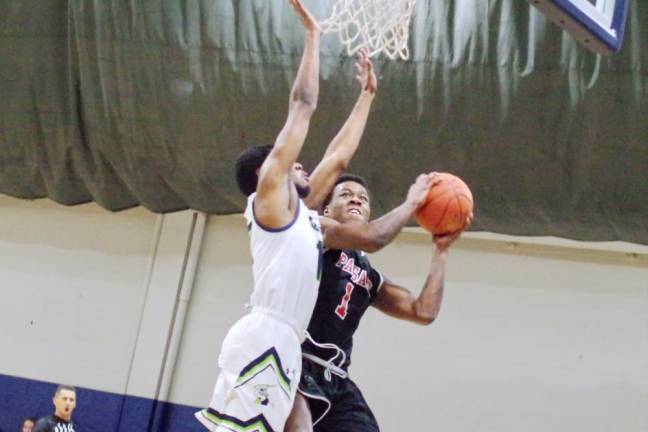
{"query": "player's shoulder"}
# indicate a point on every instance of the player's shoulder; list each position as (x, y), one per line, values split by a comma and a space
(302, 217)
(359, 255)
(44, 424)
(343, 256)
(248, 213)
(46, 420)
(312, 216)
(348, 252)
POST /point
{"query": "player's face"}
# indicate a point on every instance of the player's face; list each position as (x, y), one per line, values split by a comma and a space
(350, 202)
(65, 402)
(28, 425)
(301, 180)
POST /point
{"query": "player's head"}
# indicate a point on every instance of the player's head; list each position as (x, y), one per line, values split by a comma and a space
(300, 177)
(28, 424)
(248, 165)
(64, 401)
(349, 200)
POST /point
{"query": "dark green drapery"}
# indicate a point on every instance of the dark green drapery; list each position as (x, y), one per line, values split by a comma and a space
(148, 102)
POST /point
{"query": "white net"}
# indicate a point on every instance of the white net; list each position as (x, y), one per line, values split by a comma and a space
(374, 25)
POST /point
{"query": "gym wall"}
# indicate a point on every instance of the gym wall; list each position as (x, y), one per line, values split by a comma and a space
(132, 307)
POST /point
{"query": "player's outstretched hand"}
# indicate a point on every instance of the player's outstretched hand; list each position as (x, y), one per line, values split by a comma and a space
(366, 74)
(309, 20)
(443, 242)
(418, 192)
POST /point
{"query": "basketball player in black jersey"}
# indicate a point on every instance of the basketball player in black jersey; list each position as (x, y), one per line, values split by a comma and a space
(328, 400)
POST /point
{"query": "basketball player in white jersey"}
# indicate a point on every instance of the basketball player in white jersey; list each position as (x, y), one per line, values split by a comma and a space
(260, 360)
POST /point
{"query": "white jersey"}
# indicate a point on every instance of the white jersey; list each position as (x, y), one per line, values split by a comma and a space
(287, 264)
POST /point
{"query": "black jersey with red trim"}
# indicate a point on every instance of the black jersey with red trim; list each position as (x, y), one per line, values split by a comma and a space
(348, 286)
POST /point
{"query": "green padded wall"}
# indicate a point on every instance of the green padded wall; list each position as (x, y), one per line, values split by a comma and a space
(133, 102)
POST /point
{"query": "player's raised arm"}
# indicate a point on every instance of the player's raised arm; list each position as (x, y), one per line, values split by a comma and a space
(398, 302)
(344, 145)
(273, 206)
(373, 236)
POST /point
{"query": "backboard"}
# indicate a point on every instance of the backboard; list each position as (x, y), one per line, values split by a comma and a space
(598, 24)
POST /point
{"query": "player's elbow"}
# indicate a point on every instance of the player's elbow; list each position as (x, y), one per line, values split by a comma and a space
(370, 248)
(303, 102)
(374, 244)
(425, 320)
(374, 239)
(338, 162)
(380, 241)
(424, 317)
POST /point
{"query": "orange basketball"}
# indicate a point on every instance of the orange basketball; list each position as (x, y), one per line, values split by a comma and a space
(448, 205)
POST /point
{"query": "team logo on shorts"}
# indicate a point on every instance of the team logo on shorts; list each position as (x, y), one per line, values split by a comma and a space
(262, 394)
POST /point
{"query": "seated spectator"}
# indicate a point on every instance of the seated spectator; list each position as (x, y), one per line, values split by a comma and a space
(61, 421)
(28, 424)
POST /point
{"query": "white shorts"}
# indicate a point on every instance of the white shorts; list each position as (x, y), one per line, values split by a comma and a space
(260, 364)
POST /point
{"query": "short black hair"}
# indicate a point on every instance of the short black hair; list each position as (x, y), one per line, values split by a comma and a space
(247, 164)
(62, 387)
(346, 177)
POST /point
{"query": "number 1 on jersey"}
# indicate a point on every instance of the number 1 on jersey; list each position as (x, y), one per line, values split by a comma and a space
(342, 308)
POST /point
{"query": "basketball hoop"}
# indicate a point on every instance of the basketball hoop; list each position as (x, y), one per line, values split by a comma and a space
(374, 25)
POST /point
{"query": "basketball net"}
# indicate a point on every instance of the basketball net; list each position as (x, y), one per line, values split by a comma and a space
(374, 25)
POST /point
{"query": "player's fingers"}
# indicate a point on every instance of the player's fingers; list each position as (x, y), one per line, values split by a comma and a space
(299, 7)
(435, 178)
(424, 178)
(441, 241)
(447, 239)
(362, 54)
(469, 220)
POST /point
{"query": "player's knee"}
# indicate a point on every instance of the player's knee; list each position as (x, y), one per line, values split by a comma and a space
(298, 425)
(300, 419)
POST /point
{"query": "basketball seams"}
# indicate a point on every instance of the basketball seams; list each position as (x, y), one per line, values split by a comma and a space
(445, 210)
(466, 204)
(433, 197)
(465, 195)
(447, 206)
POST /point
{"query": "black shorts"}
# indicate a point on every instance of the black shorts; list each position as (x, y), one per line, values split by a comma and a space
(336, 405)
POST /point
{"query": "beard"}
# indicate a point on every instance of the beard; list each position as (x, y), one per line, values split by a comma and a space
(302, 191)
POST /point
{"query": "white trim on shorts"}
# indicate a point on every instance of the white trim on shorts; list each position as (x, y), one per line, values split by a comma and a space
(319, 398)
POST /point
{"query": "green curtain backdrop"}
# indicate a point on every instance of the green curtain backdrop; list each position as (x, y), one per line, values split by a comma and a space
(148, 102)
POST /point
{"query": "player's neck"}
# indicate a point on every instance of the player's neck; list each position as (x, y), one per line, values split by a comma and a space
(62, 416)
(293, 202)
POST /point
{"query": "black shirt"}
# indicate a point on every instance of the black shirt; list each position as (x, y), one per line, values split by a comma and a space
(54, 424)
(348, 286)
